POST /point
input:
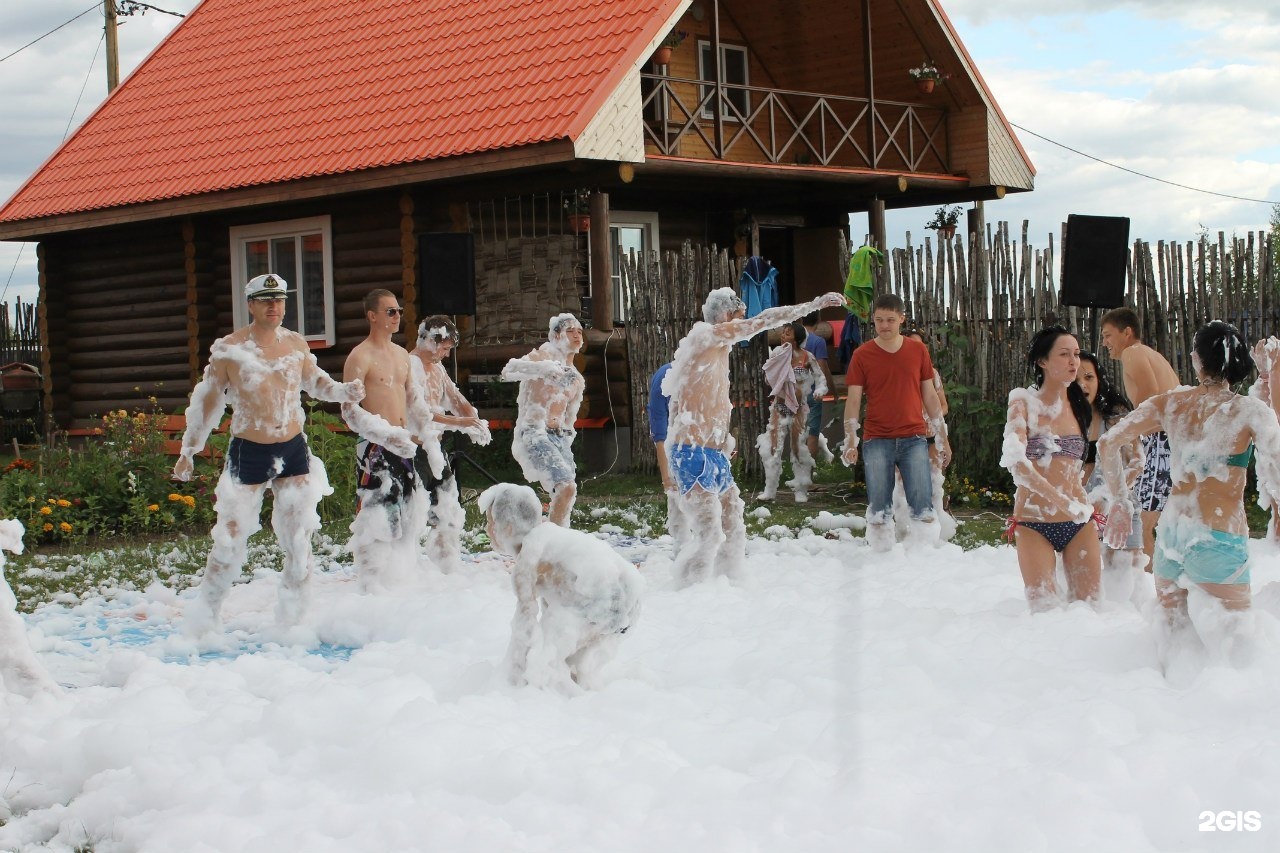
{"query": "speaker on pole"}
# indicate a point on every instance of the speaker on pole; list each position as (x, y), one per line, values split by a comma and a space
(446, 273)
(1094, 259)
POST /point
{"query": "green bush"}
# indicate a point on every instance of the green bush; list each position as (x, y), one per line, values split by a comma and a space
(111, 483)
(337, 450)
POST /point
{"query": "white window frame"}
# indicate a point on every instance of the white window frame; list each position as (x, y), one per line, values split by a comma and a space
(240, 235)
(704, 73)
(646, 220)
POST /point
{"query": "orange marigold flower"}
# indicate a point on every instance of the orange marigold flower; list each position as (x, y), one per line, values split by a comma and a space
(66, 528)
(189, 500)
(175, 496)
(47, 527)
(153, 507)
(63, 502)
(45, 510)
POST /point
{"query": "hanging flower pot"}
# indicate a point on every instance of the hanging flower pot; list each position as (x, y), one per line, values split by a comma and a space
(580, 223)
(925, 85)
(662, 56)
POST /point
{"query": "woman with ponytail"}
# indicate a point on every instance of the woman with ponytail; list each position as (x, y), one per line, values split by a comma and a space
(1045, 440)
(1203, 535)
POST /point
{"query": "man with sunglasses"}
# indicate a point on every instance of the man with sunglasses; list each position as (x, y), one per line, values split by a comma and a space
(261, 370)
(391, 503)
(449, 410)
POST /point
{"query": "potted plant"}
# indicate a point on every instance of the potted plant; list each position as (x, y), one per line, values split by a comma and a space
(577, 207)
(926, 76)
(662, 55)
(944, 220)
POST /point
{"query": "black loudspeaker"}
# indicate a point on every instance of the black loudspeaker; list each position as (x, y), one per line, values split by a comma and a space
(446, 273)
(1094, 260)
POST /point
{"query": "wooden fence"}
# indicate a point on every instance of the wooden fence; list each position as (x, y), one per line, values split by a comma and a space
(664, 299)
(981, 301)
(20, 391)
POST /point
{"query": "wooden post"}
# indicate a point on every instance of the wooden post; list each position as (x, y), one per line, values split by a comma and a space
(868, 69)
(601, 263)
(408, 270)
(876, 226)
(113, 47)
(718, 92)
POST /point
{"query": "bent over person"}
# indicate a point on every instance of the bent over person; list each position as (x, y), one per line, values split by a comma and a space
(547, 407)
(575, 595)
(392, 508)
(699, 443)
(261, 371)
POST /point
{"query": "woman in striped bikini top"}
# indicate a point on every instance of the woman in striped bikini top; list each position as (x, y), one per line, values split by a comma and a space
(1040, 446)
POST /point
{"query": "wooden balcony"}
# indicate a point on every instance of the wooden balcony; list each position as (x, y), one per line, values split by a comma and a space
(777, 126)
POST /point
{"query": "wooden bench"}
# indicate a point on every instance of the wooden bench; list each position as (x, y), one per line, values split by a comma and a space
(173, 427)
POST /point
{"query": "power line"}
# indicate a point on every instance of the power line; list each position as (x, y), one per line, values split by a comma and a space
(1143, 174)
(128, 7)
(52, 31)
(84, 85)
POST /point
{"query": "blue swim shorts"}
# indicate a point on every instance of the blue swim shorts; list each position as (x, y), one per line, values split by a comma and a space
(252, 464)
(814, 422)
(1204, 555)
(694, 465)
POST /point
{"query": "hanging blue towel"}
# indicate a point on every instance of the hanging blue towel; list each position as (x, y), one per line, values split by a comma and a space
(758, 285)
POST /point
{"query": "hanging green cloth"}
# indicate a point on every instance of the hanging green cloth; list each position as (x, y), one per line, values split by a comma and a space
(859, 287)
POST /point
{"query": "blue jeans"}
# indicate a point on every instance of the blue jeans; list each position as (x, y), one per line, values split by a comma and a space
(911, 457)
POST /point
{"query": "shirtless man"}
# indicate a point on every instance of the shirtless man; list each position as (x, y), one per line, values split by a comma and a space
(575, 596)
(1145, 373)
(698, 439)
(261, 370)
(550, 396)
(449, 410)
(391, 505)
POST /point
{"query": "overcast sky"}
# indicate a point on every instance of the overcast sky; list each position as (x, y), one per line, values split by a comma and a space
(1180, 90)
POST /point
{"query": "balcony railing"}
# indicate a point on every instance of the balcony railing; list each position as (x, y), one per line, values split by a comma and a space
(794, 128)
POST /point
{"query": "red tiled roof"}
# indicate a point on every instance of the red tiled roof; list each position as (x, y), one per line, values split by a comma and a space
(252, 92)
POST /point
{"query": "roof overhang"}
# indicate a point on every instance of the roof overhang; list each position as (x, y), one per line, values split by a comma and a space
(559, 152)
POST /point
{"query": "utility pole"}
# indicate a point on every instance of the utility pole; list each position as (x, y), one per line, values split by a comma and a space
(113, 48)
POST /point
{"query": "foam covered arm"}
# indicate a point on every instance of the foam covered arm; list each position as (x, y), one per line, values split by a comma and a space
(525, 620)
(204, 413)
(378, 430)
(523, 368)
(322, 386)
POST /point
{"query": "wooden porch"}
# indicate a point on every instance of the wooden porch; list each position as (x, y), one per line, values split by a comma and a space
(753, 124)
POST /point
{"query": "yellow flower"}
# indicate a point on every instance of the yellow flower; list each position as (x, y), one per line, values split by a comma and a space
(50, 501)
(175, 497)
(121, 413)
(44, 510)
(31, 499)
(66, 528)
(189, 500)
(153, 507)
(47, 527)
(63, 502)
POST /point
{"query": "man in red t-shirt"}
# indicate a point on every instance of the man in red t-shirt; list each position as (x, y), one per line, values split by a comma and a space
(896, 375)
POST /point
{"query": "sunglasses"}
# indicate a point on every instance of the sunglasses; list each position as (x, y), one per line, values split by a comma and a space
(394, 312)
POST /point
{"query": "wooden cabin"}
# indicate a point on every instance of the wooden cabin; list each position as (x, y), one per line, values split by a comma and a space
(444, 149)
